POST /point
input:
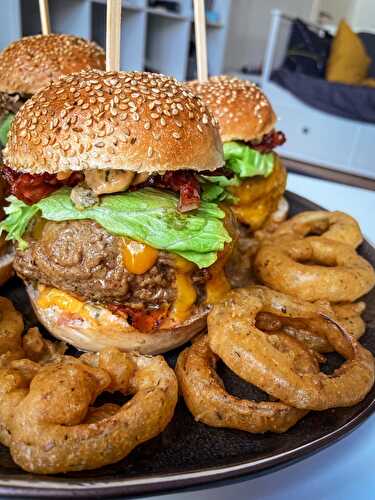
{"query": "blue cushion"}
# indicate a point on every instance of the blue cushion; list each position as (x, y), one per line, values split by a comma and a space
(308, 49)
(369, 41)
(349, 101)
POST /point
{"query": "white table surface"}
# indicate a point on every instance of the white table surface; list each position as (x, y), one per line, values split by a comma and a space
(345, 470)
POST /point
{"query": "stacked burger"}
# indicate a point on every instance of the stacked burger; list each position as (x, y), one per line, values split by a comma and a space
(114, 240)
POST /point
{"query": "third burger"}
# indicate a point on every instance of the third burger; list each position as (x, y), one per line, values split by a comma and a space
(254, 178)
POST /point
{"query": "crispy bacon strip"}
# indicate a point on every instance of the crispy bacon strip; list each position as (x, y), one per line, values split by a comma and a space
(269, 142)
(144, 321)
(185, 183)
(31, 188)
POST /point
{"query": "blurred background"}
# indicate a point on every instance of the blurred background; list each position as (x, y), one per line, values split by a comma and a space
(313, 58)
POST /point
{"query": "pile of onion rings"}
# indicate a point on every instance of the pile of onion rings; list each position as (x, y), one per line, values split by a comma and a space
(273, 336)
(313, 256)
(305, 277)
(249, 352)
(47, 417)
(281, 365)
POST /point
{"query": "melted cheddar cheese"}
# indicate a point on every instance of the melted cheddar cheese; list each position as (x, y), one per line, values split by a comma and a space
(38, 227)
(52, 297)
(185, 297)
(138, 257)
(182, 265)
(217, 287)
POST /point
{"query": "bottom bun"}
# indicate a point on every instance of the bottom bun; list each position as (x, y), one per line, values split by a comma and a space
(91, 327)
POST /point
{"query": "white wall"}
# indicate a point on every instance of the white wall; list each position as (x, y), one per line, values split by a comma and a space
(359, 13)
(249, 26)
(338, 8)
(363, 15)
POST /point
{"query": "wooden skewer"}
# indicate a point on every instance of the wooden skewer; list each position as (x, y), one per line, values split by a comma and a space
(44, 17)
(200, 40)
(113, 39)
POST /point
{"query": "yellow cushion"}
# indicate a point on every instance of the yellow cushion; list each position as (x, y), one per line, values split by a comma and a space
(368, 82)
(348, 60)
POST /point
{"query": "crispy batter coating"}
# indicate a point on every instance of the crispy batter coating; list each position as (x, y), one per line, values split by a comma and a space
(11, 328)
(336, 226)
(20, 360)
(248, 351)
(54, 428)
(259, 196)
(205, 395)
(314, 268)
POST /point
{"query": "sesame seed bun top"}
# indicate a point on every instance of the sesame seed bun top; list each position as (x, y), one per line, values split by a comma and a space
(242, 110)
(141, 122)
(32, 62)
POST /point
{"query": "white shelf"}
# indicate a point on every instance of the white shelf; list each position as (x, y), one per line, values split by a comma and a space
(151, 37)
(165, 13)
(125, 4)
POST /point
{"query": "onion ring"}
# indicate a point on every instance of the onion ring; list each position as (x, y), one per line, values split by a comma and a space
(209, 402)
(311, 331)
(247, 351)
(49, 434)
(315, 268)
(336, 226)
(11, 328)
(20, 360)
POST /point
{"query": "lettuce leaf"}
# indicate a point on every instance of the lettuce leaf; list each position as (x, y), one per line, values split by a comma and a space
(18, 218)
(247, 162)
(147, 215)
(244, 162)
(4, 128)
(214, 188)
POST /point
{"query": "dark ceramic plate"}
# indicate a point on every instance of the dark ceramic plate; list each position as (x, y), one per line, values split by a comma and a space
(189, 453)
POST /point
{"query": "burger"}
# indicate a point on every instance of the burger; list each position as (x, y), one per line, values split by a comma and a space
(7, 107)
(114, 241)
(32, 62)
(26, 66)
(253, 180)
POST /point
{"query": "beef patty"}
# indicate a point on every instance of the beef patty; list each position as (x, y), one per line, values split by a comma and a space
(80, 257)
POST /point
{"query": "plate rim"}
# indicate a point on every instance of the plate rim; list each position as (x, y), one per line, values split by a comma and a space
(157, 483)
(160, 483)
